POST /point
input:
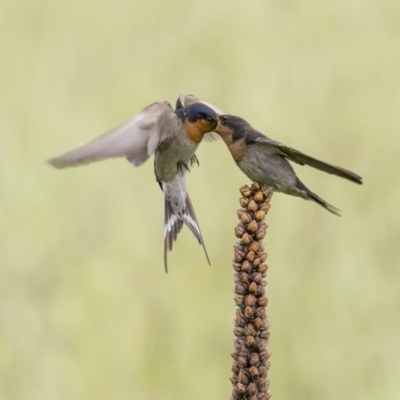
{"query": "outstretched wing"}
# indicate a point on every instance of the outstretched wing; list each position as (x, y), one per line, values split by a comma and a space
(136, 140)
(303, 159)
(185, 100)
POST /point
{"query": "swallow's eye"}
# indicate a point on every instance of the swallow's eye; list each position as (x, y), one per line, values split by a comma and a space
(224, 121)
(210, 120)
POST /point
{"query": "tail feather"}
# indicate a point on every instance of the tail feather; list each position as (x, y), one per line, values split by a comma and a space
(323, 203)
(173, 224)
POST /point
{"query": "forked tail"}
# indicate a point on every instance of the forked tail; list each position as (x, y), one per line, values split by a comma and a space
(312, 196)
(173, 224)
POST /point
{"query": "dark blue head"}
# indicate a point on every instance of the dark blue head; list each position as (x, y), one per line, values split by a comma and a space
(198, 112)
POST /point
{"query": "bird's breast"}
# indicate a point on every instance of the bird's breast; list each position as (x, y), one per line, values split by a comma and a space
(169, 153)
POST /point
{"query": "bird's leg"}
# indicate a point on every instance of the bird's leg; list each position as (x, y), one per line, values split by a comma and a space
(181, 165)
(194, 160)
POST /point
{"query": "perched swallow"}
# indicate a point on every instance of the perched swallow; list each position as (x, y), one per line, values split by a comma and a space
(265, 161)
(173, 136)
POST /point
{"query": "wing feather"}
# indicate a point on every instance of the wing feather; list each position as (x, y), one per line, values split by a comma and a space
(303, 159)
(136, 140)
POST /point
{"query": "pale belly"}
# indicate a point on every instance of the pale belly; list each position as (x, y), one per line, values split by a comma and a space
(168, 157)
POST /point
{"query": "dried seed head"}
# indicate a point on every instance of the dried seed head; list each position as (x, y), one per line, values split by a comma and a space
(251, 325)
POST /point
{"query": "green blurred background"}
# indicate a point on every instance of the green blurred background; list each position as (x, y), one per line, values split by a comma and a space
(86, 310)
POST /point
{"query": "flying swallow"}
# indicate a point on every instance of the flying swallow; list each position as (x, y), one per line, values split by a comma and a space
(173, 137)
(265, 161)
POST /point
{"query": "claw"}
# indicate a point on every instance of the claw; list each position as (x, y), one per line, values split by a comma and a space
(194, 160)
(181, 165)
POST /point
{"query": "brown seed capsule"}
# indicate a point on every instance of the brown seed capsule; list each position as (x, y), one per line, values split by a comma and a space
(257, 278)
(250, 301)
(245, 190)
(238, 332)
(252, 288)
(263, 257)
(250, 341)
(239, 320)
(239, 255)
(261, 383)
(248, 312)
(265, 355)
(254, 359)
(244, 278)
(246, 266)
(260, 290)
(243, 378)
(238, 299)
(261, 344)
(240, 388)
(252, 225)
(260, 234)
(260, 312)
(240, 289)
(254, 247)
(262, 371)
(250, 331)
(254, 372)
(235, 356)
(259, 215)
(239, 230)
(265, 207)
(258, 323)
(252, 389)
(262, 302)
(264, 335)
(257, 262)
(246, 239)
(245, 217)
(251, 256)
(242, 361)
(244, 201)
(255, 186)
(259, 197)
(252, 206)
(263, 268)
(237, 267)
